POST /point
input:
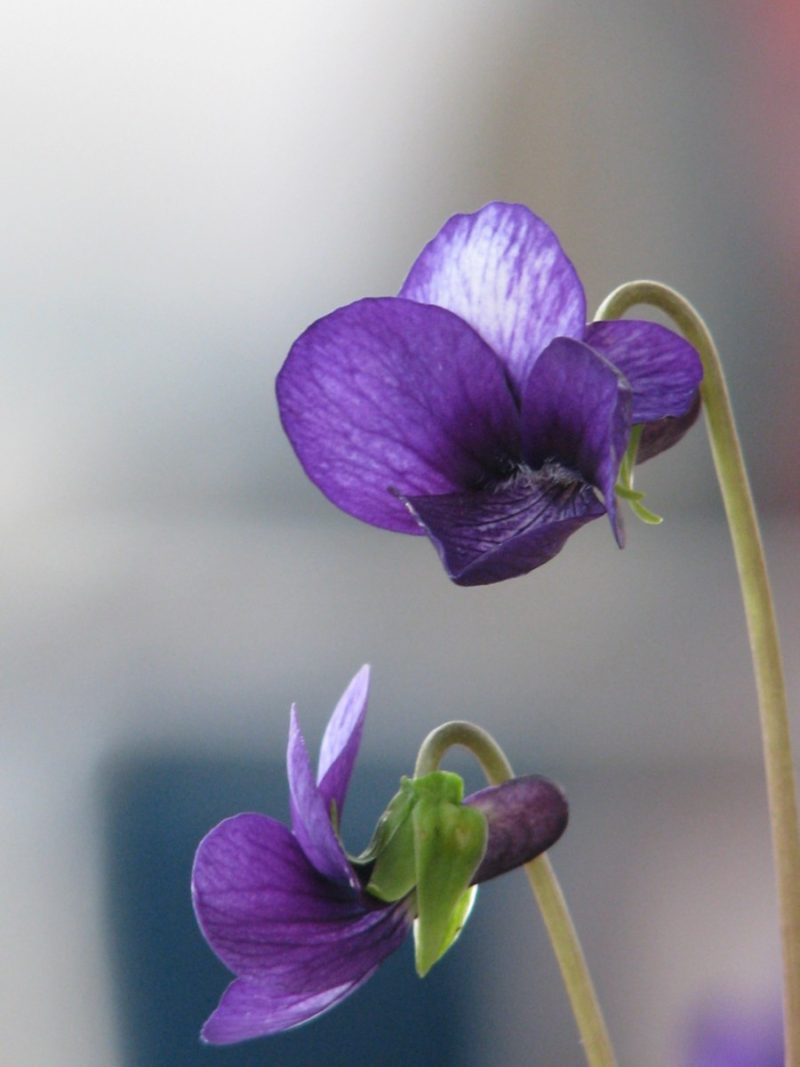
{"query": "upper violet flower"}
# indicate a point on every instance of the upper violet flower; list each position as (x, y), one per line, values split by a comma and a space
(477, 406)
(296, 920)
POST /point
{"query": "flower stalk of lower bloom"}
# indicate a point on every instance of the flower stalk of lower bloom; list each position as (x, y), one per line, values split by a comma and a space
(761, 624)
(544, 884)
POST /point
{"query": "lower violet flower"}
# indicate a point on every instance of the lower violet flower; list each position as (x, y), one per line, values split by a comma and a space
(477, 406)
(301, 925)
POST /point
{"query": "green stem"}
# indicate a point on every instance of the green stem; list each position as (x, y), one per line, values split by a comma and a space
(563, 936)
(761, 625)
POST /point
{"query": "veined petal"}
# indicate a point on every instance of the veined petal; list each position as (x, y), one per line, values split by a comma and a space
(487, 536)
(311, 813)
(268, 914)
(503, 271)
(576, 411)
(663, 369)
(388, 397)
(341, 741)
(251, 1008)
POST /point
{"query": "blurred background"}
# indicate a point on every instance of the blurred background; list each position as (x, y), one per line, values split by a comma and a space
(186, 186)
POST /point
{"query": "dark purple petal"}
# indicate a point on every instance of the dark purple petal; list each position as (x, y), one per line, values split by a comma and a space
(389, 397)
(341, 741)
(251, 1008)
(503, 271)
(525, 817)
(268, 914)
(663, 369)
(658, 436)
(487, 536)
(576, 411)
(311, 814)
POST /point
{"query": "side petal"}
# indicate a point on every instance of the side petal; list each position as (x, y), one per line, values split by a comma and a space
(386, 396)
(268, 914)
(658, 436)
(504, 272)
(311, 813)
(485, 537)
(341, 741)
(576, 410)
(251, 1008)
(663, 369)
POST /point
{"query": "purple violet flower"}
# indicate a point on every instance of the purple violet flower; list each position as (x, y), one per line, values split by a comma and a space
(287, 911)
(477, 406)
(726, 1035)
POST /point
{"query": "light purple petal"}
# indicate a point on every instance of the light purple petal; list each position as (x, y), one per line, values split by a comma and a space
(268, 914)
(341, 741)
(485, 537)
(311, 814)
(388, 397)
(503, 271)
(251, 1008)
(663, 369)
(576, 411)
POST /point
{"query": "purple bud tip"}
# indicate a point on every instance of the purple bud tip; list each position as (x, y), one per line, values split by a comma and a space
(525, 817)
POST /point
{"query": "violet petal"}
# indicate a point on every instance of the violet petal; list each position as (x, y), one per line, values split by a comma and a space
(268, 914)
(503, 271)
(499, 533)
(311, 814)
(341, 741)
(388, 397)
(576, 411)
(525, 817)
(658, 436)
(662, 368)
(251, 1008)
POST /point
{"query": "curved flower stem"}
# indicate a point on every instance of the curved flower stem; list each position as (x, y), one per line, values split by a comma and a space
(761, 625)
(563, 936)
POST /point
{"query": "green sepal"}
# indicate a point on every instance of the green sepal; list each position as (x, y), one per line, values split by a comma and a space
(391, 849)
(624, 487)
(457, 922)
(644, 514)
(428, 839)
(449, 843)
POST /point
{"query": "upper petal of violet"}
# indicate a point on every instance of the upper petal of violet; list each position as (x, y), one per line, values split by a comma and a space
(341, 741)
(312, 824)
(503, 271)
(664, 371)
(387, 397)
(576, 412)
